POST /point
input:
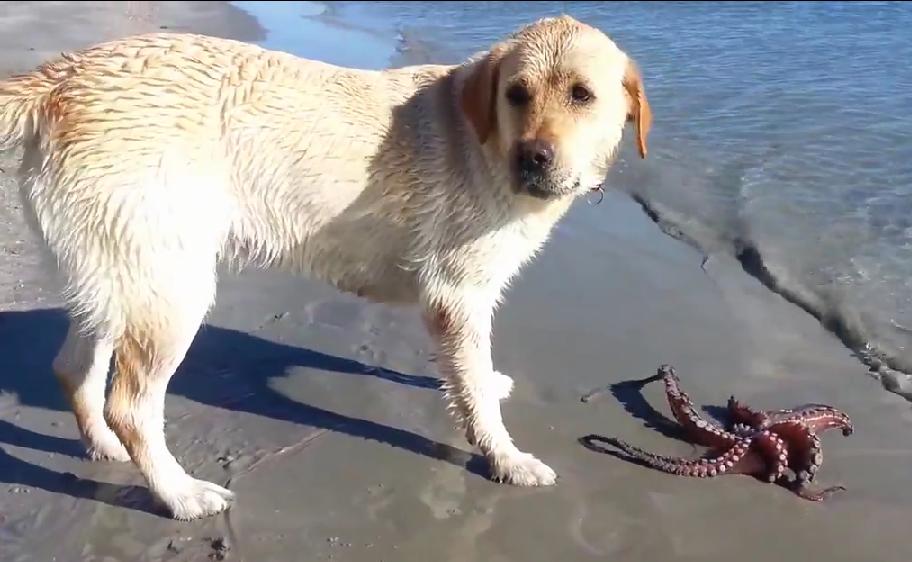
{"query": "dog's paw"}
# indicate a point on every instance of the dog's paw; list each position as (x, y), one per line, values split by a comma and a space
(502, 385)
(194, 499)
(522, 469)
(105, 446)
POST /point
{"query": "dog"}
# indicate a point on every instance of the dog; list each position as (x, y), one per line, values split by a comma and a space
(151, 159)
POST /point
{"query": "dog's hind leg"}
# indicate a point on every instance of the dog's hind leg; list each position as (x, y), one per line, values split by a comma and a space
(159, 328)
(81, 367)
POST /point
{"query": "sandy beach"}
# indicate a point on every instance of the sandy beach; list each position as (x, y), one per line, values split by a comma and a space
(321, 412)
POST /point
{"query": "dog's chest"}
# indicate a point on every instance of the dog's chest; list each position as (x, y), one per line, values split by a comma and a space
(492, 260)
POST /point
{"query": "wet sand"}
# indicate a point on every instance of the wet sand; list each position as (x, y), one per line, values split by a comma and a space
(321, 411)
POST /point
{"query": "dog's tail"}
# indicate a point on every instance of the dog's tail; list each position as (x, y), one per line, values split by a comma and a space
(23, 97)
(18, 106)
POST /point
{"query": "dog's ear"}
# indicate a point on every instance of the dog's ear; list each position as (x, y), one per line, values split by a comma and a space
(638, 109)
(478, 98)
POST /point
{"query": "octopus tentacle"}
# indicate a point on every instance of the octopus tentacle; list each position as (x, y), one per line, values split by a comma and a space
(774, 451)
(813, 455)
(762, 443)
(817, 495)
(702, 431)
(818, 418)
(739, 459)
(806, 456)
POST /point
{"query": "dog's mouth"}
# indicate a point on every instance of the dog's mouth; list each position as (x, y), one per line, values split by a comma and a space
(538, 191)
(547, 187)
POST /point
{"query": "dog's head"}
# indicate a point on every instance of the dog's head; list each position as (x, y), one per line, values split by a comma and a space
(553, 100)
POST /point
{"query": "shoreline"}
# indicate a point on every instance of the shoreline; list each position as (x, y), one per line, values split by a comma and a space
(319, 410)
(319, 33)
(885, 368)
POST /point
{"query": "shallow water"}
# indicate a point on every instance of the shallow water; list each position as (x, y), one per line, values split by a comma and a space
(783, 132)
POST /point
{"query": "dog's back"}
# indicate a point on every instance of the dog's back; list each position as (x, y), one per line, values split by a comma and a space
(158, 152)
(118, 159)
(145, 160)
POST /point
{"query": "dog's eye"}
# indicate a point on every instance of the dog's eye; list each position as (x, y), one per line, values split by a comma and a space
(518, 95)
(580, 94)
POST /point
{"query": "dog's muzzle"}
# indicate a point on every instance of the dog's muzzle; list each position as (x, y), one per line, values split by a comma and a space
(535, 169)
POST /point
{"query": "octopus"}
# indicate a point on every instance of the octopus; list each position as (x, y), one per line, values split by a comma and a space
(764, 444)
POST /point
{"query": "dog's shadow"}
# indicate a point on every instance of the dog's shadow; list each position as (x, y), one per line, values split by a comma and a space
(244, 364)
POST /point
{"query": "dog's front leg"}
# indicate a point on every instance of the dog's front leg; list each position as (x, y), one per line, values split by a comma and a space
(474, 389)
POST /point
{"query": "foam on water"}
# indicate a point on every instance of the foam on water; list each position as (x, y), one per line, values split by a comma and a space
(783, 135)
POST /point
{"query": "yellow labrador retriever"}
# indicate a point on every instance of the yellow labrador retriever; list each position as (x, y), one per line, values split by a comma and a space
(149, 159)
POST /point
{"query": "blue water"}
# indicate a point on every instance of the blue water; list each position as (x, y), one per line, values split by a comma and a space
(783, 131)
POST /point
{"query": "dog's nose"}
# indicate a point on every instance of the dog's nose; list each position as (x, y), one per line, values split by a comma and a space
(536, 155)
